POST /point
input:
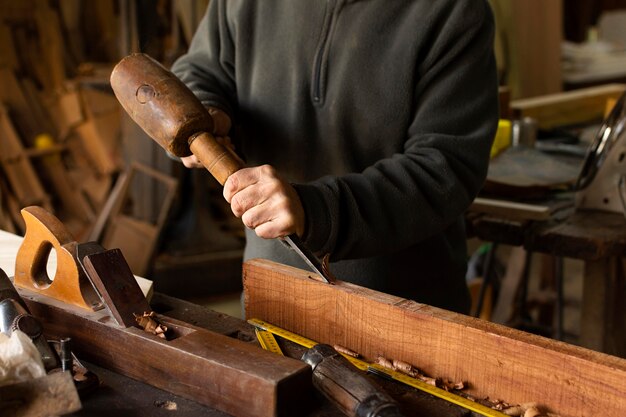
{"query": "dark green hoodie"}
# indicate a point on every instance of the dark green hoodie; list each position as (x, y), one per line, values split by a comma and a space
(380, 112)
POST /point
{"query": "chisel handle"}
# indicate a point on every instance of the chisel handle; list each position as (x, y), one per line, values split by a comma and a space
(346, 387)
(219, 160)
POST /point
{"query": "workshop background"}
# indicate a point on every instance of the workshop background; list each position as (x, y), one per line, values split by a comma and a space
(66, 145)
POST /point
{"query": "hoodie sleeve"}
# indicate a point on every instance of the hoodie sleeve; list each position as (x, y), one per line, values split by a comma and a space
(403, 200)
(208, 66)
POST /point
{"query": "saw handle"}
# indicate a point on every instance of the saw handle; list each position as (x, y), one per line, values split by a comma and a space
(346, 387)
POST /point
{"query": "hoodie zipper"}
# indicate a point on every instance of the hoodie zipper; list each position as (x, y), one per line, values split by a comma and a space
(321, 57)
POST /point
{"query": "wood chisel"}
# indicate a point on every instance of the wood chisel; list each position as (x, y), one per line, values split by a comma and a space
(174, 117)
(265, 330)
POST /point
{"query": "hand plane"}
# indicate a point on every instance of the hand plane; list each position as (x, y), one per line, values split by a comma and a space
(94, 299)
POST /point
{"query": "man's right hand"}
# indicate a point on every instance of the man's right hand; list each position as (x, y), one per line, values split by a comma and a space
(221, 127)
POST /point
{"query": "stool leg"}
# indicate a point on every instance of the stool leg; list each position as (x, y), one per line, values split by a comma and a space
(487, 278)
(558, 276)
(523, 290)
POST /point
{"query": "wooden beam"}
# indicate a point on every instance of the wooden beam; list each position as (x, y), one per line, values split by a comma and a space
(497, 361)
(100, 137)
(8, 58)
(569, 108)
(24, 111)
(52, 46)
(137, 237)
(18, 168)
(224, 373)
(510, 209)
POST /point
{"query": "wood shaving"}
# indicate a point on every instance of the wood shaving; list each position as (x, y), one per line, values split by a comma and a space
(346, 351)
(533, 412)
(515, 410)
(519, 410)
(525, 410)
(168, 405)
(384, 362)
(148, 322)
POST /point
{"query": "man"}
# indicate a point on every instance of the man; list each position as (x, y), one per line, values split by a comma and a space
(376, 118)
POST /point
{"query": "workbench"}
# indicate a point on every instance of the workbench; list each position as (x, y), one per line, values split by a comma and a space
(599, 240)
(123, 396)
(496, 361)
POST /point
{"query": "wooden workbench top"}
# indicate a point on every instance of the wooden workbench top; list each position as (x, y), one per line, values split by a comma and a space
(584, 234)
(119, 394)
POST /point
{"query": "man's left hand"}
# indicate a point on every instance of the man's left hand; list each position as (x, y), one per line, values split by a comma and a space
(265, 202)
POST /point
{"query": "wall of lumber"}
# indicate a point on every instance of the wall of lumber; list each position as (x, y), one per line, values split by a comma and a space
(496, 361)
(60, 127)
(65, 143)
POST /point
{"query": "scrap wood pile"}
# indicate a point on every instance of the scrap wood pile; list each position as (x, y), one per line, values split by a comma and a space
(61, 144)
(65, 143)
(59, 124)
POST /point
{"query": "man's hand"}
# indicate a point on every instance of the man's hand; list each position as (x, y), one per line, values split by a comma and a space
(221, 127)
(265, 202)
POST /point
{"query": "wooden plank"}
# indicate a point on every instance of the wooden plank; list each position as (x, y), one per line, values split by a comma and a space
(137, 237)
(528, 43)
(90, 183)
(568, 108)
(71, 20)
(586, 235)
(100, 138)
(98, 103)
(8, 58)
(510, 209)
(5, 219)
(535, 46)
(228, 374)
(37, 114)
(498, 362)
(13, 208)
(18, 169)
(17, 11)
(12, 94)
(52, 46)
(65, 109)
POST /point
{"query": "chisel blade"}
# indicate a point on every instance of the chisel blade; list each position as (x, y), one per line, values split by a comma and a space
(309, 257)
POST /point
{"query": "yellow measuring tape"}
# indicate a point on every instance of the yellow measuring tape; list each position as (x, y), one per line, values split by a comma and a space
(265, 332)
(267, 341)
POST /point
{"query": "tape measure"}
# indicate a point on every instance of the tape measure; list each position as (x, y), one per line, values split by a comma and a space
(265, 333)
(267, 341)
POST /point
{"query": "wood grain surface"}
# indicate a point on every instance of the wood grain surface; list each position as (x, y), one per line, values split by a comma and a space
(215, 370)
(497, 361)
